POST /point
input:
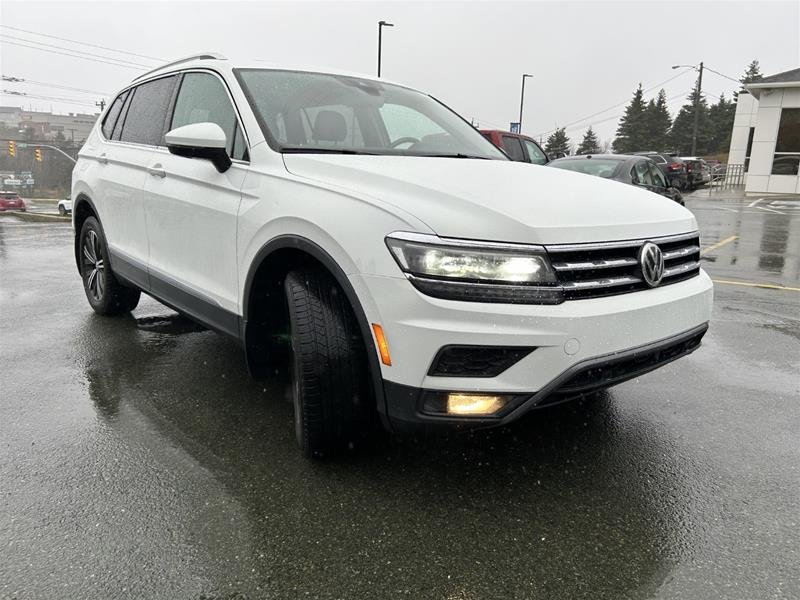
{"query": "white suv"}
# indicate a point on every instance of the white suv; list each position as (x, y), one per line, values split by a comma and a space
(421, 276)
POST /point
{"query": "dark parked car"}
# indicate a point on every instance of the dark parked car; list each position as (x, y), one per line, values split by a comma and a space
(11, 201)
(518, 147)
(673, 168)
(697, 171)
(633, 170)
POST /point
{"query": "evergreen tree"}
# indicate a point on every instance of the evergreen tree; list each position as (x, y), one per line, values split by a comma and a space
(657, 123)
(557, 144)
(631, 130)
(752, 73)
(590, 144)
(680, 136)
(720, 117)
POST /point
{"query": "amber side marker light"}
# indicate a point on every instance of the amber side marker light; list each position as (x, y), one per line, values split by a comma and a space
(383, 345)
(474, 404)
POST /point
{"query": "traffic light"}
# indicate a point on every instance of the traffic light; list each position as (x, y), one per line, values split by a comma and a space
(38, 154)
(12, 148)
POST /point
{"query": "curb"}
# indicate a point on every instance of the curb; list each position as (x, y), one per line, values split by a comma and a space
(36, 217)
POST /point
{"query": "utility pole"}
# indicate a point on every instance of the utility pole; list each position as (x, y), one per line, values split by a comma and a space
(101, 104)
(697, 109)
(522, 100)
(381, 25)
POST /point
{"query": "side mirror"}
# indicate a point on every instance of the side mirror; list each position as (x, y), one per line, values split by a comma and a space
(200, 140)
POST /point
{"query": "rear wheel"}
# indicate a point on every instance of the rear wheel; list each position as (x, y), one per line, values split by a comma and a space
(106, 295)
(330, 384)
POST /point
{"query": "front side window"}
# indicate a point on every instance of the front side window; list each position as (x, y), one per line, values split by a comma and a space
(513, 147)
(317, 112)
(535, 154)
(113, 114)
(202, 98)
(147, 113)
(786, 160)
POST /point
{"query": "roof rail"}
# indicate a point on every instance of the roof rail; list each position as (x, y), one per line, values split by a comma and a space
(202, 56)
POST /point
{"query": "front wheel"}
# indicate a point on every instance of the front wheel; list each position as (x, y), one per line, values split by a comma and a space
(106, 295)
(330, 383)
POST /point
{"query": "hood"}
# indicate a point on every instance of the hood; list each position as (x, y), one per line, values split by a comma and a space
(500, 200)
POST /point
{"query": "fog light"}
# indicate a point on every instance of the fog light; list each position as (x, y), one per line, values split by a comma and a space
(474, 404)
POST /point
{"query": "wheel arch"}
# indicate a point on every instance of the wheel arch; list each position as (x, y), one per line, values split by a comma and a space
(270, 260)
(82, 209)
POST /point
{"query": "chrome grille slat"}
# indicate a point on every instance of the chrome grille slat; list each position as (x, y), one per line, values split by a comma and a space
(598, 264)
(681, 268)
(610, 268)
(680, 252)
(601, 283)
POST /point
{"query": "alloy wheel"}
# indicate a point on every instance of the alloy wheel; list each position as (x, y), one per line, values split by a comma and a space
(93, 265)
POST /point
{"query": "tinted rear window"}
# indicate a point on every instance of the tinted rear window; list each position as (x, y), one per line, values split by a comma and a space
(147, 114)
(593, 166)
(513, 146)
(113, 114)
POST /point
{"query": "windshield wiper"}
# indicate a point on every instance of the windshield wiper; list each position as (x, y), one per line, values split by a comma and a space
(312, 150)
(454, 155)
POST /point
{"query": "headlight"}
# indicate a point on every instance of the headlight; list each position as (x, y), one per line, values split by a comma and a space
(476, 271)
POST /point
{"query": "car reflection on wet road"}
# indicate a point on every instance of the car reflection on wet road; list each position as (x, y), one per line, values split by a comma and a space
(138, 460)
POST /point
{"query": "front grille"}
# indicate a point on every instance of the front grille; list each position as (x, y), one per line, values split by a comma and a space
(476, 361)
(607, 269)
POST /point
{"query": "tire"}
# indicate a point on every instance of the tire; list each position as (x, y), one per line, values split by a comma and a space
(330, 382)
(61, 210)
(106, 295)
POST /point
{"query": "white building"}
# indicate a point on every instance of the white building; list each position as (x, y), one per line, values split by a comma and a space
(766, 134)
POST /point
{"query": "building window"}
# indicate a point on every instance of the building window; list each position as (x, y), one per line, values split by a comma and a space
(787, 149)
(749, 149)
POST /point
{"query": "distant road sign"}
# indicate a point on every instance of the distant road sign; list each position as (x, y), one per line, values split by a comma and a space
(30, 181)
(22, 145)
(514, 128)
(12, 182)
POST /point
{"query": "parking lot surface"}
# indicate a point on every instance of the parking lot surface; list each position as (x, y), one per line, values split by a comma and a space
(138, 460)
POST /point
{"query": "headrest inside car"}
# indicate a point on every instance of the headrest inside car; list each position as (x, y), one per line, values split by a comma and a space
(329, 126)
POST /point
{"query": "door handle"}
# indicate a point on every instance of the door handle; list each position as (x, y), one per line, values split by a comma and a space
(102, 159)
(157, 170)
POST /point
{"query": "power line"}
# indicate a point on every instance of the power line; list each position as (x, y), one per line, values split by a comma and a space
(722, 75)
(119, 60)
(55, 37)
(618, 104)
(116, 64)
(11, 79)
(48, 98)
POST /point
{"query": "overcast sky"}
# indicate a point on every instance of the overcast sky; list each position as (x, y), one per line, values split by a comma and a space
(585, 56)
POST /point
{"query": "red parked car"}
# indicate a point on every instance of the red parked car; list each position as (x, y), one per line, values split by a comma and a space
(11, 201)
(518, 147)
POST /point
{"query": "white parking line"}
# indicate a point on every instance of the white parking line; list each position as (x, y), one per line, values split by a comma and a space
(770, 210)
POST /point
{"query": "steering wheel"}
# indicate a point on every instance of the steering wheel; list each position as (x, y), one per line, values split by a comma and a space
(404, 140)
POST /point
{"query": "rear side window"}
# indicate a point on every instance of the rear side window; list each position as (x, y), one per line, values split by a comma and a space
(657, 158)
(641, 173)
(203, 99)
(113, 114)
(513, 146)
(147, 113)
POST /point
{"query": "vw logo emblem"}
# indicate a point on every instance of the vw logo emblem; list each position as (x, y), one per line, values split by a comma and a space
(652, 262)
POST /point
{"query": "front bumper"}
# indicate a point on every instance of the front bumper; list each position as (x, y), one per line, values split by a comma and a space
(565, 337)
(406, 403)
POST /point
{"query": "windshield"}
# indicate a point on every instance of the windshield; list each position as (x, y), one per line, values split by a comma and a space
(591, 166)
(316, 112)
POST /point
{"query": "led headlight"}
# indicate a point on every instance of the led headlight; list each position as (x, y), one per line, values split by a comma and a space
(476, 271)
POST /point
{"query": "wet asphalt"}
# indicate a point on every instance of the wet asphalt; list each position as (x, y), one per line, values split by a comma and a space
(138, 460)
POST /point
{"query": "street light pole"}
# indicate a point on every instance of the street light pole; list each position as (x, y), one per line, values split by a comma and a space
(381, 25)
(697, 109)
(522, 100)
(699, 69)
